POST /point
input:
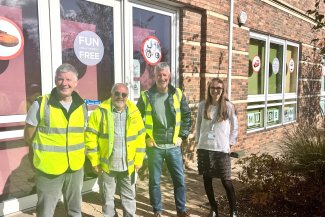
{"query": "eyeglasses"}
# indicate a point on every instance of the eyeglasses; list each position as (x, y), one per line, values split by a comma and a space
(119, 94)
(216, 88)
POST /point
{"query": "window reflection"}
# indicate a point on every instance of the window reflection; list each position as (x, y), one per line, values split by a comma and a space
(256, 67)
(275, 68)
(292, 69)
(20, 84)
(95, 81)
(276, 110)
(289, 113)
(16, 64)
(146, 24)
(255, 118)
(274, 115)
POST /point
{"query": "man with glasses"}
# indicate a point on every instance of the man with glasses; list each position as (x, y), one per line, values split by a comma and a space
(115, 142)
(168, 121)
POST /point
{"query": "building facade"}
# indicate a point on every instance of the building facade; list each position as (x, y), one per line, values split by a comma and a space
(263, 49)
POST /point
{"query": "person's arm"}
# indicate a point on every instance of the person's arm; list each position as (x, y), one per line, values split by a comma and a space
(198, 122)
(29, 133)
(32, 119)
(91, 138)
(141, 106)
(185, 118)
(234, 125)
(140, 151)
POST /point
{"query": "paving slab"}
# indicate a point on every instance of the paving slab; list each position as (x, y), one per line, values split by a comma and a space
(197, 202)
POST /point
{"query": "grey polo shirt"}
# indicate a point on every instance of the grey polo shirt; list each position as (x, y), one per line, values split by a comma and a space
(32, 117)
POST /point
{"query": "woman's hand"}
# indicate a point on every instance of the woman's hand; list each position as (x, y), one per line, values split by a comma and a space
(179, 141)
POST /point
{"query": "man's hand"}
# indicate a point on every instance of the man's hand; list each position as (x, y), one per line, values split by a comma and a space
(137, 167)
(232, 147)
(179, 141)
(29, 133)
(150, 142)
(97, 169)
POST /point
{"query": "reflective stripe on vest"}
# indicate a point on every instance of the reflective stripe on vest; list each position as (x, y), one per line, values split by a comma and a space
(110, 122)
(177, 97)
(64, 149)
(106, 137)
(59, 143)
(49, 130)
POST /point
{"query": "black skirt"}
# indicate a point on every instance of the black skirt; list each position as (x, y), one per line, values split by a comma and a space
(214, 164)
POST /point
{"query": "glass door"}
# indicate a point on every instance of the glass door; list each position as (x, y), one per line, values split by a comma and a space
(87, 35)
(153, 39)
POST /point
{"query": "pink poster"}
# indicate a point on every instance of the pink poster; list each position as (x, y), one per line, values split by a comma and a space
(87, 85)
(139, 35)
(12, 65)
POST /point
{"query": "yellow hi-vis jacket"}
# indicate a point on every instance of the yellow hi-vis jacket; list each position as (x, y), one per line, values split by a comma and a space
(59, 143)
(99, 136)
(177, 97)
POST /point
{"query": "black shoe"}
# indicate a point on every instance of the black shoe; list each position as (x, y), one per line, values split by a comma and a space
(234, 214)
(213, 214)
(157, 214)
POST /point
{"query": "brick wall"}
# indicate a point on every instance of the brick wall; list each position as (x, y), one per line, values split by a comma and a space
(204, 39)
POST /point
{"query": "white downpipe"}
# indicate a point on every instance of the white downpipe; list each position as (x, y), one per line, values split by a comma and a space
(230, 47)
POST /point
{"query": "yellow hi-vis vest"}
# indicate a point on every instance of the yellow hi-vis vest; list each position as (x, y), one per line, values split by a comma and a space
(177, 97)
(99, 136)
(59, 143)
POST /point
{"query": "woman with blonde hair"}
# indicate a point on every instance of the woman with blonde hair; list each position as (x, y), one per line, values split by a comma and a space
(216, 132)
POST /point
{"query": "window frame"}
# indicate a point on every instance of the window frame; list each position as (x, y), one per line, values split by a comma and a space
(155, 7)
(280, 98)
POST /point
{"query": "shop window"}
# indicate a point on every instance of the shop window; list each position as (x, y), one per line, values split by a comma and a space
(256, 67)
(255, 118)
(275, 68)
(274, 115)
(20, 85)
(278, 104)
(289, 113)
(88, 44)
(19, 57)
(291, 69)
(152, 43)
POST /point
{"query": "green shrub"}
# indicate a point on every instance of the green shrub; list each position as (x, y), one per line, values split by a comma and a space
(275, 186)
(305, 146)
(268, 179)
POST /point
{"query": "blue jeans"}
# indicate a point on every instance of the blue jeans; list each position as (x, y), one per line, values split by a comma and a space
(174, 161)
